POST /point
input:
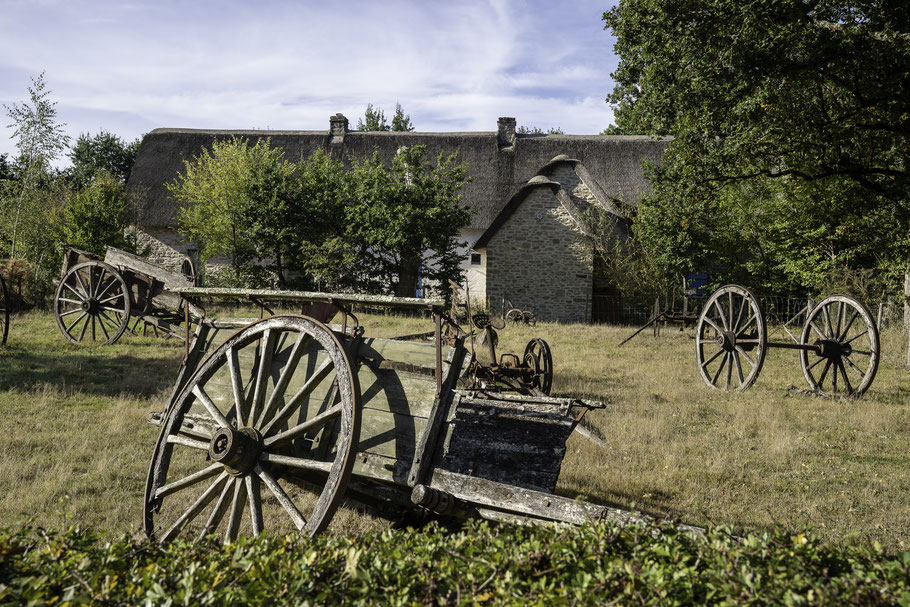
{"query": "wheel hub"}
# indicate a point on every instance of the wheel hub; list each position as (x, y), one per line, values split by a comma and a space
(90, 305)
(727, 341)
(829, 348)
(237, 450)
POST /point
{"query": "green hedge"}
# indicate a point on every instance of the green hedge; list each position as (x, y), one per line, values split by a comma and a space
(478, 564)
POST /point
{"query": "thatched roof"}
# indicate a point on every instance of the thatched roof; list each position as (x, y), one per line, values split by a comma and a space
(498, 163)
(542, 179)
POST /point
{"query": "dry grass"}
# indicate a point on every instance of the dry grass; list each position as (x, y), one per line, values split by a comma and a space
(76, 443)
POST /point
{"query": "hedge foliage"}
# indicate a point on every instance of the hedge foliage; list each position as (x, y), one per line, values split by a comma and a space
(477, 564)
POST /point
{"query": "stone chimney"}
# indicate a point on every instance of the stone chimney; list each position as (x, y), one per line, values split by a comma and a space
(338, 126)
(505, 132)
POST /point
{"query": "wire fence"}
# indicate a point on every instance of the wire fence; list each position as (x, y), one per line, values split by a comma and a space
(780, 310)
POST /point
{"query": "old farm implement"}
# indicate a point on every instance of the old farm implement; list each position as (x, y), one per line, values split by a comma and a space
(273, 422)
(838, 347)
(96, 300)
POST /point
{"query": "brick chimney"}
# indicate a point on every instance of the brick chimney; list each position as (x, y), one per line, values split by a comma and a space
(505, 132)
(338, 126)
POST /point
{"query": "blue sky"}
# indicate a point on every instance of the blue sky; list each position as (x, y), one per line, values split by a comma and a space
(131, 66)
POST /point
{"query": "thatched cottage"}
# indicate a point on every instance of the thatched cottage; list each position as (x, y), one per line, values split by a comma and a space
(525, 241)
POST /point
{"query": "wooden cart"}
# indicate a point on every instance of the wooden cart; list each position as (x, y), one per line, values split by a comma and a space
(96, 300)
(273, 422)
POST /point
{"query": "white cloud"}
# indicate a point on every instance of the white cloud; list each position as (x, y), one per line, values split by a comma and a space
(129, 67)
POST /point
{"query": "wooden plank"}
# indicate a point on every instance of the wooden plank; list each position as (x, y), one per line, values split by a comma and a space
(426, 444)
(379, 301)
(512, 442)
(397, 391)
(420, 356)
(390, 434)
(507, 498)
(381, 468)
(124, 260)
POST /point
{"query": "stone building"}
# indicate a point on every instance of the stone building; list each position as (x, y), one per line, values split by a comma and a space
(528, 193)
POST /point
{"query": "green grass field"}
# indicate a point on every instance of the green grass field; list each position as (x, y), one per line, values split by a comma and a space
(76, 445)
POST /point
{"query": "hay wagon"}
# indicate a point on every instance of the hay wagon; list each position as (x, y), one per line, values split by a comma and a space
(273, 422)
(97, 299)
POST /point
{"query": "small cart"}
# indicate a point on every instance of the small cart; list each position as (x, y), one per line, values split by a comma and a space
(95, 299)
(273, 422)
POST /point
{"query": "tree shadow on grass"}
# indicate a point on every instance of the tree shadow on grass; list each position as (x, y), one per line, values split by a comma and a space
(88, 371)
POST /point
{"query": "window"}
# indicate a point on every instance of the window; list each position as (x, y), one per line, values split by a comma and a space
(475, 259)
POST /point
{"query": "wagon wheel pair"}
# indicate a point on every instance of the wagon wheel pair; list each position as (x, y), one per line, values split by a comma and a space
(278, 400)
(838, 347)
(515, 316)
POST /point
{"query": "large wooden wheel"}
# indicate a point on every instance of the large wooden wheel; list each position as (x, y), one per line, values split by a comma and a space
(274, 409)
(731, 339)
(539, 359)
(845, 357)
(92, 303)
(4, 311)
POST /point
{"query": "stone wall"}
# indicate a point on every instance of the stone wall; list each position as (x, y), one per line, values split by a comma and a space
(161, 246)
(565, 176)
(540, 259)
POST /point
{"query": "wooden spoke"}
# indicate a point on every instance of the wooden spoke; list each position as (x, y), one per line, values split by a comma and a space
(188, 481)
(739, 368)
(176, 439)
(744, 355)
(719, 369)
(713, 325)
(207, 496)
(827, 333)
(78, 318)
(296, 462)
(286, 502)
(85, 290)
(855, 337)
(236, 386)
(746, 325)
(854, 367)
(843, 371)
(210, 406)
(739, 315)
(81, 295)
(252, 490)
(102, 292)
(282, 384)
(237, 504)
(821, 379)
(265, 365)
(818, 331)
(843, 334)
(721, 314)
(243, 457)
(217, 511)
(292, 405)
(310, 424)
(103, 328)
(712, 359)
(813, 365)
